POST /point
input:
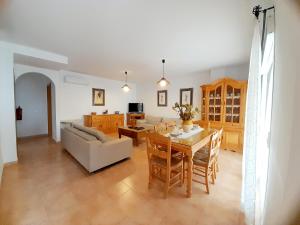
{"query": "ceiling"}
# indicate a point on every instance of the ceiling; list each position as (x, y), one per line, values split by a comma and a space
(106, 37)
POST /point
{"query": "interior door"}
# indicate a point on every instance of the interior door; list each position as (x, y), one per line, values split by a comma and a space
(49, 109)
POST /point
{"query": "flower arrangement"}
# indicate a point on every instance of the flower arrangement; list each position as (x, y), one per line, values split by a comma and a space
(186, 112)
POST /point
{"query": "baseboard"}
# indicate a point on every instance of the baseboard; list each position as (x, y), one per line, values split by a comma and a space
(33, 136)
(9, 163)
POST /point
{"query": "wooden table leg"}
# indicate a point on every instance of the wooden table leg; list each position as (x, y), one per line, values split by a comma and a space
(120, 135)
(189, 176)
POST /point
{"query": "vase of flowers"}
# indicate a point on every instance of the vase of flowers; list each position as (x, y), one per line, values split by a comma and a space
(186, 113)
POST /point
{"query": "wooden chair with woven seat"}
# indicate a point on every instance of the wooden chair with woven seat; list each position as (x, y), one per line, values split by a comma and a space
(217, 152)
(203, 164)
(170, 126)
(160, 128)
(162, 165)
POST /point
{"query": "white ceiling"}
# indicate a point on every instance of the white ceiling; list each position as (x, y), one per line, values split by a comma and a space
(105, 37)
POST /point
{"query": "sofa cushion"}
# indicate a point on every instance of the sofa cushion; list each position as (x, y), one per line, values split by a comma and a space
(96, 133)
(153, 119)
(81, 134)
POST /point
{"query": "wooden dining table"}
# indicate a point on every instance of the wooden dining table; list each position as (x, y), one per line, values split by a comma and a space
(189, 146)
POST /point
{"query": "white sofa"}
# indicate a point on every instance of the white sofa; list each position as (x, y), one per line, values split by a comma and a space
(92, 149)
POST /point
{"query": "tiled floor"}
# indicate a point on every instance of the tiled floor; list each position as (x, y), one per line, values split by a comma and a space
(48, 187)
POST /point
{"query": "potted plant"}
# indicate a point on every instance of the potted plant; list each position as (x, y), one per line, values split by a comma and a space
(186, 113)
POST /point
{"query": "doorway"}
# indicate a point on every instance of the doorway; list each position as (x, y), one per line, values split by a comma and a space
(35, 103)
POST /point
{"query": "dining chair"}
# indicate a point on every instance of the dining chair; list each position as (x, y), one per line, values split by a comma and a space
(217, 152)
(203, 165)
(170, 126)
(160, 128)
(162, 165)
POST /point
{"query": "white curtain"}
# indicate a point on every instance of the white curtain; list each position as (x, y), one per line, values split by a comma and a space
(257, 124)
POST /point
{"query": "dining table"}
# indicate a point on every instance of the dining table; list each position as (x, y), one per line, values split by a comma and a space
(189, 145)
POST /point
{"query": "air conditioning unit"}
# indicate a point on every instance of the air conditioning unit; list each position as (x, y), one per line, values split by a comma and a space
(75, 80)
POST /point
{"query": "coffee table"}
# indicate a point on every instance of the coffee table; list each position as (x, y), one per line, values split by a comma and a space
(133, 133)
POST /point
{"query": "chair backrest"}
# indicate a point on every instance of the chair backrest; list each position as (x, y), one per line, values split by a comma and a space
(170, 125)
(213, 144)
(160, 128)
(158, 145)
(220, 133)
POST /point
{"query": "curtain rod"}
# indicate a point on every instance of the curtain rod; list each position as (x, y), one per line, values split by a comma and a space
(257, 9)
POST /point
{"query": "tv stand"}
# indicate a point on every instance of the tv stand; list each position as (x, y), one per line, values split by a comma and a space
(132, 117)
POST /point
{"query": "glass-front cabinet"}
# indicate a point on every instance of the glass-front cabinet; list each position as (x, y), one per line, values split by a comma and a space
(223, 106)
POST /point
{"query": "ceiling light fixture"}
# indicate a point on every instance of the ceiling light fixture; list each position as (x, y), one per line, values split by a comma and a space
(163, 81)
(125, 87)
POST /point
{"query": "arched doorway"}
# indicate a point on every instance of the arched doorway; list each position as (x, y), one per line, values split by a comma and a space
(35, 105)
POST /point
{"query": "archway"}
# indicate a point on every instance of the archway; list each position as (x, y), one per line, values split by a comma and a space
(35, 105)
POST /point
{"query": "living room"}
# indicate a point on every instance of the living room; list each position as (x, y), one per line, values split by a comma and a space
(79, 119)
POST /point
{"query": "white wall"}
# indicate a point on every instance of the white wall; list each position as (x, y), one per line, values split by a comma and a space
(283, 189)
(72, 101)
(237, 72)
(76, 100)
(147, 93)
(7, 107)
(53, 105)
(31, 96)
(1, 162)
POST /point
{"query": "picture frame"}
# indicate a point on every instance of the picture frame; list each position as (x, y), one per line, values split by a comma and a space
(186, 96)
(98, 97)
(162, 98)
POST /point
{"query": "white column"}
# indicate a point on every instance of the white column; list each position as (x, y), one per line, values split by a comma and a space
(7, 107)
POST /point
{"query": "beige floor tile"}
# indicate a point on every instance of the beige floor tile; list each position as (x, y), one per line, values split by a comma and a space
(48, 186)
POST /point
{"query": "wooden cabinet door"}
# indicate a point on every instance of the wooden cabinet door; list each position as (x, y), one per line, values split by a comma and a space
(233, 103)
(233, 140)
(214, 103)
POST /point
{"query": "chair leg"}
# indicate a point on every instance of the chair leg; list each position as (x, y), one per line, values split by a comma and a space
(214, 169)
(206, 181)
(150, 175)
(167, 185)
(181, 173)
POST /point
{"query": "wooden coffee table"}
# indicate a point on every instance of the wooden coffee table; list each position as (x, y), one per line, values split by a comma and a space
(133, 133)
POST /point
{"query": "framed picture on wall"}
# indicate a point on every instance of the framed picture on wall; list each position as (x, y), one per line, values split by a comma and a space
(98, 97)
(162, 98)
(186, 96)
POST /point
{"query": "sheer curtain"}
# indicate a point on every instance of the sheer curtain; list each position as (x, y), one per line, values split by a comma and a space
(257, 122)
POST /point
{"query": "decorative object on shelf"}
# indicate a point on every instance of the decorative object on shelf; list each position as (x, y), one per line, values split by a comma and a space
(163, 81)
(186, 96)
(186, 113)
(19, 113)
(93, 113)
(98, 97)
(117, 112)
(105, 112)
(162, 98)
(125, 87)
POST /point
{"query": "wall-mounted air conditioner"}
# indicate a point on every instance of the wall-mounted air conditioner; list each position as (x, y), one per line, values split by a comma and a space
(76, 80)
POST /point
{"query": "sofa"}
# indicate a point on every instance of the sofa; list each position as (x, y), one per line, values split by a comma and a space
(92, 148)
(151, 121)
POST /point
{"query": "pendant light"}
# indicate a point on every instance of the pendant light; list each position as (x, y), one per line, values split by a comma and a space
(163, 81)
(125, 87)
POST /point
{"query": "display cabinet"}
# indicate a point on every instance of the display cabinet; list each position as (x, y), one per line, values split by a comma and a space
(223, 106)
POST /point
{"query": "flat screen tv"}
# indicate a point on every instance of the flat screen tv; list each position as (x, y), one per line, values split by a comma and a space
(135, 107)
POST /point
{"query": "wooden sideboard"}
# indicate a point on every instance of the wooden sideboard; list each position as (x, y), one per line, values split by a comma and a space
(132, 117)
(223, 106)
(108, 123)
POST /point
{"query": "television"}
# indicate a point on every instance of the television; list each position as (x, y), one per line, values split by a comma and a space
(135, 107)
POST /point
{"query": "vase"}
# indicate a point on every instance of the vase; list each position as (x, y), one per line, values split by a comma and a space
(187, 125)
